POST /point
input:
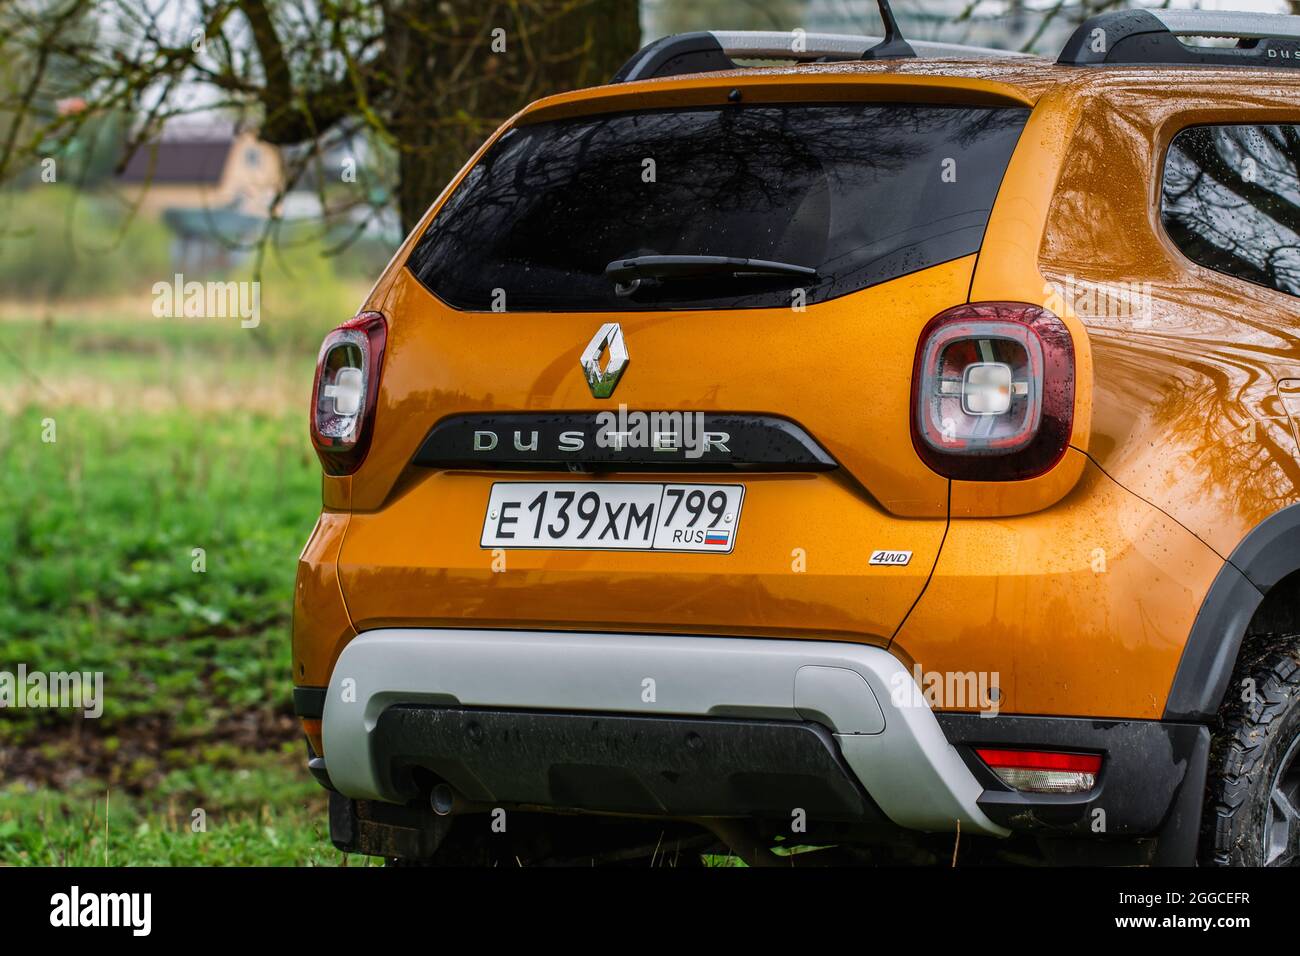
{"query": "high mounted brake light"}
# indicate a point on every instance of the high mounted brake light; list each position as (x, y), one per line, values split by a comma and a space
(1043, 771)
(993, 392)
(346, 391)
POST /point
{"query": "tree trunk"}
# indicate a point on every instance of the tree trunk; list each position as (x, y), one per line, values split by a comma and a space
(452, 87)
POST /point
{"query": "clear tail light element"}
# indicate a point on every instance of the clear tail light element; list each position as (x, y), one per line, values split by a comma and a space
(993, 392)
(1043, 771)
(346, 391)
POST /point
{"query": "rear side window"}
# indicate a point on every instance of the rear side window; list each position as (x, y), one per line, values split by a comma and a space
(861, 193)
(1230, 199)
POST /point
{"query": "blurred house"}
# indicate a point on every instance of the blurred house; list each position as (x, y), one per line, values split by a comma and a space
(213, 189)
(204, 169)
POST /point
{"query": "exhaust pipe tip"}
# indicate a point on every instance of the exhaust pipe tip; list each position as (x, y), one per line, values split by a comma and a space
(443, 799)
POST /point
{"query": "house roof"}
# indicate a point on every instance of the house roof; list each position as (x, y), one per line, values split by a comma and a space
(178, 161)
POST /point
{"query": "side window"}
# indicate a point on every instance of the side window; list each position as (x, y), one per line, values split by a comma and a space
(1230, 200)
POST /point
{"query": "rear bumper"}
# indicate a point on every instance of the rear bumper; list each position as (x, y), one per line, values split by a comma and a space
(684, 726)
(686, 767)
(728, 727)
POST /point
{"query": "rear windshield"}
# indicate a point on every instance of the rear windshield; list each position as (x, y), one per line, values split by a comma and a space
(861, 193)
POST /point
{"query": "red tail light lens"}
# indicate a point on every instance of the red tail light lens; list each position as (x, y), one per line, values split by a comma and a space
(993, 392)
(1043, 771)
(346, 391)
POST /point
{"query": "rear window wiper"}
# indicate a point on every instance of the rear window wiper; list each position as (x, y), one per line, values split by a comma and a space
(626, 271)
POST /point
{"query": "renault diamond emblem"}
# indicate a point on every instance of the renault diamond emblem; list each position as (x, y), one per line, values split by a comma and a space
(601, 382)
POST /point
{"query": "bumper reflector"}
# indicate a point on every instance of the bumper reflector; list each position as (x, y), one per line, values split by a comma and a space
(1043, 771)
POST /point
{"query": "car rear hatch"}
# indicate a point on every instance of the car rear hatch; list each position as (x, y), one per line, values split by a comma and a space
(574, 271)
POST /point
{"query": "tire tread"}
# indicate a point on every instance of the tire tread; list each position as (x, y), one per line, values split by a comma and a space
(1243, 741)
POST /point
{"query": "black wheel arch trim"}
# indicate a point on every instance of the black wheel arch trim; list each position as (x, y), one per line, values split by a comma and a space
(1268, 553)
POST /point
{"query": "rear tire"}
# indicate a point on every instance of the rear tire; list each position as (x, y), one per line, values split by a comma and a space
(1252, 814)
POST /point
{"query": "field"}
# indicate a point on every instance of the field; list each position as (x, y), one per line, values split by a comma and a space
(158, 484)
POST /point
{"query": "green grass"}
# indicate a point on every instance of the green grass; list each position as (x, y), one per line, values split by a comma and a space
(98, 539)
(267, 813)
(170, 436)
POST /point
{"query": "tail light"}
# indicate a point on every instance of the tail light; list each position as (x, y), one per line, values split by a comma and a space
(993, 392)
(345, 392)
(1043, 771)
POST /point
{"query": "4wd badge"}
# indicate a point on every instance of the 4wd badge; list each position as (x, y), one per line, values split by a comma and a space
(897, 559)
(602, 382)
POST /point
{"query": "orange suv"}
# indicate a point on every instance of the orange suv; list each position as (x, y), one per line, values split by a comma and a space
(885, 451)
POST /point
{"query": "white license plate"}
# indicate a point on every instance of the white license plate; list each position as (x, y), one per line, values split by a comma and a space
(614, 516)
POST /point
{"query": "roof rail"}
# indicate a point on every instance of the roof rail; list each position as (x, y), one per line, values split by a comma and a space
(1150, 37)
(719, 49)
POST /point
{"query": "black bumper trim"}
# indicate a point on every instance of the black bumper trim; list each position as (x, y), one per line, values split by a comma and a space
(1152, 773)
(618, 763)
(316, 767)
(309, 702)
